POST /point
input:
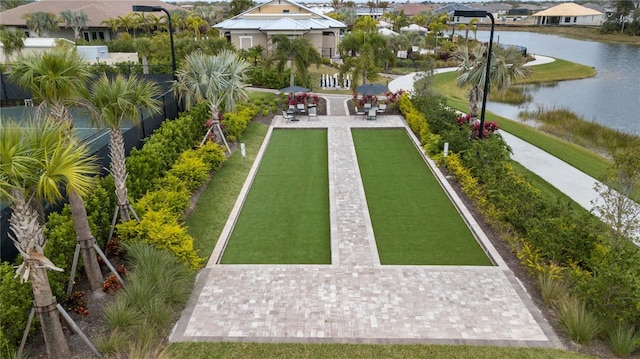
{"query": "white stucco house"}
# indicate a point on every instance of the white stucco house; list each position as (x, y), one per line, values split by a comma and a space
(569, 14)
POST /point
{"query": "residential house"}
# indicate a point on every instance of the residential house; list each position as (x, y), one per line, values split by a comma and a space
(97, 11)
(569, 14)
(258, 25)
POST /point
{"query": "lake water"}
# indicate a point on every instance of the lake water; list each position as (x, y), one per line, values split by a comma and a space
(611, 98)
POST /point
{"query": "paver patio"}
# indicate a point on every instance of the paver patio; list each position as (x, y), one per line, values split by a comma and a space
(355, 299)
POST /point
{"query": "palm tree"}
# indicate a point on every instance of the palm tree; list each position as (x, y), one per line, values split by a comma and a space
(144, 47)
(115, 102)
(75, 19)
(12, 41)
(239, 6)
(362, 53)
(219, 79)
(36, 162)
(301, 54)
(40, 22)
(113, 25)
(55, 78)
(438, 25)
(10, 4)
(507, 64)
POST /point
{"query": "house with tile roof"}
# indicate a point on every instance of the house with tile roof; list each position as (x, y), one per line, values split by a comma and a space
(569, 14)
(258, 26)
(97, 11)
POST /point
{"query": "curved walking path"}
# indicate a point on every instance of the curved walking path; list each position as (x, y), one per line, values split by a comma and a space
(569, 180)
(355, 299)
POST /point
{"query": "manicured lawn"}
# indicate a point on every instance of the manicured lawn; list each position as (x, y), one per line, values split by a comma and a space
(207, 220)
(285, 217)
(414, 221)
(364, 351)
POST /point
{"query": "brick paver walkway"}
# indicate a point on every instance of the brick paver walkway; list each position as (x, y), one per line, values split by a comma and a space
(355, 299)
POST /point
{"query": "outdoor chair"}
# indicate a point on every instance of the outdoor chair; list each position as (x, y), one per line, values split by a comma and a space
(313, 113)
(382, 108)
(300, 108)
(359, 113)
(372, 115)
(286, 116)
(367, 106)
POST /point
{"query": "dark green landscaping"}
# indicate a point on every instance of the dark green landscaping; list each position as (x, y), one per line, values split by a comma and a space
(413, 219)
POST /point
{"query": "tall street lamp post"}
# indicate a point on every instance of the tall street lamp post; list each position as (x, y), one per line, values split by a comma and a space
(147, 8)
(479, 14)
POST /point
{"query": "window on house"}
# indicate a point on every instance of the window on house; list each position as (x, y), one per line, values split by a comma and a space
(567, 19)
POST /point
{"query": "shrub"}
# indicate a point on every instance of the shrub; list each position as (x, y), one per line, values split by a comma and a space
(580, 324)
(173, 198)
(16, 300)
(622, 339)
(162, 149)
(161, 230)
(61, 245)
(236, 122)
(190, 170)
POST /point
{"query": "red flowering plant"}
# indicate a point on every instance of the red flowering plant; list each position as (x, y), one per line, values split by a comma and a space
(393, 97)
(111, 284)
(474, 126)
(77, 303)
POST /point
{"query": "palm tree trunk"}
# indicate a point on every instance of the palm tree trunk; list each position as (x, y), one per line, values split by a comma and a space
(28, 237)
(145, 65)
(291, 77)
(45, 304)
(86, 240)
(119, 172)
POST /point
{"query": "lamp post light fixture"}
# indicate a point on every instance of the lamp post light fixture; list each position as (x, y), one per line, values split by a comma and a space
(479, 14)
(147, 8)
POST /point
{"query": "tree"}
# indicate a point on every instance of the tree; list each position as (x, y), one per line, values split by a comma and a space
(219, 79)
(41, 22)
(55, 78)
(12, 41)
(113, 25)
(36, 162)
(507, 64)
(616, 206)
(126, 22)
(10, 4)
(299, 52)
(237, 7)
(113, 103)
(436, 26)
(75, 19)
(623, 9)
(144, 47)
(362, 54)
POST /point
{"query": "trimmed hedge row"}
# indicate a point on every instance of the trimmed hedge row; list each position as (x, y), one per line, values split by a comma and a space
(551, 237)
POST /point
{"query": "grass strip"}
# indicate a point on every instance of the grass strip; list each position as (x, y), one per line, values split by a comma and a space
(207, 220)
(285, 217)
(369, 351)
(414, 221)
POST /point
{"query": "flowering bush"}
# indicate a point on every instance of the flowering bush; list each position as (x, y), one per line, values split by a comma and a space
(302, 97)
(466, 121)
(393, 97)
(77, 303)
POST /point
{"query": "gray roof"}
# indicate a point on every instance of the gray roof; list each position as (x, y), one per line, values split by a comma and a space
(279, 22)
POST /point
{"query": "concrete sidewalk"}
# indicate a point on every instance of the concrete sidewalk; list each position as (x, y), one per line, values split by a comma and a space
(569, 180)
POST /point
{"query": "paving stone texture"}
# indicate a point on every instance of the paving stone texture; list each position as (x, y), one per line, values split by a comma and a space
(355, 299)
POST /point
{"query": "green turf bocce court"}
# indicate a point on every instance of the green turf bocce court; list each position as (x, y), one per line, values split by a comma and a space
(285, 218)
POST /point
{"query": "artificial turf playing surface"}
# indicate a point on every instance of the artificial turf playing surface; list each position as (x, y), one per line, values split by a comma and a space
(285, 216)
(414, 221)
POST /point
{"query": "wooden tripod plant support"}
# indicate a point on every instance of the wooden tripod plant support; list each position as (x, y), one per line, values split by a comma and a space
(68, 319)
(216, 127)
